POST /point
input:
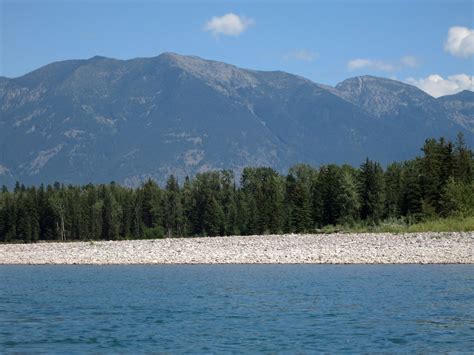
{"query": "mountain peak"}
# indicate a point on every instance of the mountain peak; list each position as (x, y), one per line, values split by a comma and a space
(97, 57)
(367, 81)
(381, 96)
(461, 106)
(172, 56)
(213, 72)
(462, 95)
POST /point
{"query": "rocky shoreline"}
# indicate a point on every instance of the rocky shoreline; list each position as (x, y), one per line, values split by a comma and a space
(368, 248)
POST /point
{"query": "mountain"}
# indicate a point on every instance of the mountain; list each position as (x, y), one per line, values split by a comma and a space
(103, 119)
(461, 108)
(407, 113)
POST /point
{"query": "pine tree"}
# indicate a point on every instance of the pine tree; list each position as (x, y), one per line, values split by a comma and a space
(172, 209)
(290, 214)
(463, 161)
(227, 201)
(188, 206)
(348, 196)
(9, 219)
(298, 197)
(371, 191)
(457, 199)
(125, 199)
(110, 216)
(329, 186)
(2, 216)
(244, 220)
(46, 214)
(411, 193)
(151, 204)
(439, 183)
(393, 190)
(213, 217)
(438, 164)
(136, 225)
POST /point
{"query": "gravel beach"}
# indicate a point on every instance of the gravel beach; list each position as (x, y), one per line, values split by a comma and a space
(380, 248)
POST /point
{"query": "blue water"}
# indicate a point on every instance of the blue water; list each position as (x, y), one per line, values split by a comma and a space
(237, 308)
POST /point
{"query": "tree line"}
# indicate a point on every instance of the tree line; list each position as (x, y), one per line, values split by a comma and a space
(437, 184)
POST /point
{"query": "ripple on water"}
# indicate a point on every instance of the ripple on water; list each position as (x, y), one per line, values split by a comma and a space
(237, 308)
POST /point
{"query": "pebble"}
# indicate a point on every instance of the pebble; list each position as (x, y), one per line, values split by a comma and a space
(339, 248)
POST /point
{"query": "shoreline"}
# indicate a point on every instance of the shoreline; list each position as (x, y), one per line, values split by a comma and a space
(338, 248)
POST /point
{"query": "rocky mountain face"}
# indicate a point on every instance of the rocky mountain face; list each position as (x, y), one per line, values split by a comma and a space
(460, 108)
(103, 119)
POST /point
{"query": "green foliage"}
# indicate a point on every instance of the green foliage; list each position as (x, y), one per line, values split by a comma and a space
(153, 232)
(433, 192)
(172, 208)
(457, 198)
(393, 190)
(263, 193)
(411, 189)
(463, 161)
(437, 166)
(371, 191)
(335, 198)
(298, 211)
(408, 225)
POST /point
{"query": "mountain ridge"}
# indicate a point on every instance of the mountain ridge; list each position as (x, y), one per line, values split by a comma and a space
(102, 119)
(176, 56)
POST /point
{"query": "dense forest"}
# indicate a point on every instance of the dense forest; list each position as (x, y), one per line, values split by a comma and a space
(439, 183)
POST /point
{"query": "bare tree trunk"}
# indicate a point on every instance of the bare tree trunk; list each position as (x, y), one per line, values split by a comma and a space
(63, 231)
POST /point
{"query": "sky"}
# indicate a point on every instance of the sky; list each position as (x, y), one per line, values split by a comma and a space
(425, 43)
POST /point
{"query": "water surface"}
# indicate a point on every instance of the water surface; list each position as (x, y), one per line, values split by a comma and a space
(202, 308)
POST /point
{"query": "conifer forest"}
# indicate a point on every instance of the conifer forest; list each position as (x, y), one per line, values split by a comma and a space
(438, 183)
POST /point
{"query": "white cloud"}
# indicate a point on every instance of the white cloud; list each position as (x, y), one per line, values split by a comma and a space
(460, 41)
(437, 86)
(361, 63)
(381, 65)
(302, 54)
(409, 61)
(228, 25)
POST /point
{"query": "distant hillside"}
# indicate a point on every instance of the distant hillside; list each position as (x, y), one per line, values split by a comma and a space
(103, 119)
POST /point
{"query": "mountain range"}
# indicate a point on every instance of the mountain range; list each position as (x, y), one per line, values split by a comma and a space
(102, 119)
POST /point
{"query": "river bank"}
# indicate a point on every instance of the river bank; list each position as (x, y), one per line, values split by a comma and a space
(369, 248)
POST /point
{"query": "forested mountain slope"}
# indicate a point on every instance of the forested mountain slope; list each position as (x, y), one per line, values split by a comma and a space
(102, 119)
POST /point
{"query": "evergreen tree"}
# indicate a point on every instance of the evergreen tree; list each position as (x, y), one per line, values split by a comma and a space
(213, 217)
(290, 214)
(329, 187)
(151, 204)
(136, 223)
(124, 198)
(411, 192)
(9, 219)
(371, 191)
(457, 198)
(299, 183)
(172, 209)
(46, 216)
(264, 190)
(188, 206)
(463, 161)
(111, 213)
(440, 183)
(56, 203)
(348, 198)
(228, 202)
(437, 166)
(393, 190)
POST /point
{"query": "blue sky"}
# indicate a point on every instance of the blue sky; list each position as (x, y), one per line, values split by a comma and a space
(325, 41)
